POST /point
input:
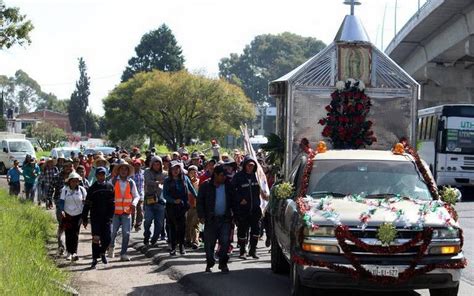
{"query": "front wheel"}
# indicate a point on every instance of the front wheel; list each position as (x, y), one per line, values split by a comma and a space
(278, 260)
(445, 292)
(297, 288)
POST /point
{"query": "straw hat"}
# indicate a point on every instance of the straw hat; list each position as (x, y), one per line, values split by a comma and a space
(73, 175)
(101, 158)
(121, 163)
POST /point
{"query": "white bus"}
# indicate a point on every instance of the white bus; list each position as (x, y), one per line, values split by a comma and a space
(445, 140)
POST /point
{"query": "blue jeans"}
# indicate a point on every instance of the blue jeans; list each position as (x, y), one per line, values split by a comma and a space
(153, 213)
(217, 229)
(30, 191)
(126, 222)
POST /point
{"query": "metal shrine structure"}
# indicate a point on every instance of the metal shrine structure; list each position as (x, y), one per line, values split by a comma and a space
(302, 94)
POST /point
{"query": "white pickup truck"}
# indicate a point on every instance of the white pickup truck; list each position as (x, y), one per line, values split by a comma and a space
(13, 146)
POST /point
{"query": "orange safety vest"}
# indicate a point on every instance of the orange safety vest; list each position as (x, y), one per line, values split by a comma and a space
(123, 203)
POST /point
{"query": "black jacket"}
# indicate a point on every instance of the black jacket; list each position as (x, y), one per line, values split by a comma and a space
(246, 187)
(100, 201)
(206, 201)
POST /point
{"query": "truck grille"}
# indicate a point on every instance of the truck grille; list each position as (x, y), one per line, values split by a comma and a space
(369, 236)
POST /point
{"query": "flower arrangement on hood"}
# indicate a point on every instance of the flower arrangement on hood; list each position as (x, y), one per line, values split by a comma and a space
(346, 123)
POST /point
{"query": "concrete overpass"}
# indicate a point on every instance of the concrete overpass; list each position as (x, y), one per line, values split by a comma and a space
(436, 47)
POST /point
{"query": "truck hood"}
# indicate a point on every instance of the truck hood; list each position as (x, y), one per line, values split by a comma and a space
(402, 213)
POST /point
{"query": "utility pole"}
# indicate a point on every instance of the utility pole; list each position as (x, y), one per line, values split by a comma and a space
(395, 21)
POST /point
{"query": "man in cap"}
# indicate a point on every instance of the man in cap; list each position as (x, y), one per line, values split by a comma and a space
(100, 202)
(126, 198)
(54, 193)
(196, 161)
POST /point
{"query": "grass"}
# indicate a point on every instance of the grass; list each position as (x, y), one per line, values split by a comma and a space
(25, 268)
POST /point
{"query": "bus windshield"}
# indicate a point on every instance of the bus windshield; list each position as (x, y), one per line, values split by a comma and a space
(460, 141)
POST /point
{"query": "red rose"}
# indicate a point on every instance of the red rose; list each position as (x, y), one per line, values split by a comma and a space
(359, 107)
(322, 121)
(328, 108)
(357, 95)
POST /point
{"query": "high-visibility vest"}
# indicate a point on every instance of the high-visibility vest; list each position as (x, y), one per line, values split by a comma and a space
(123, 202)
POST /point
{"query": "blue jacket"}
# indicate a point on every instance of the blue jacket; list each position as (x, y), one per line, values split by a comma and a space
(178, 189)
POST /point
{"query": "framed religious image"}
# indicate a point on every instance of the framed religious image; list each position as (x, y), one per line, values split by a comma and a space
(355, 62)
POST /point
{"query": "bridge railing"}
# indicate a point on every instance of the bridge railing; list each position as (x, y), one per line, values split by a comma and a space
(419, 15)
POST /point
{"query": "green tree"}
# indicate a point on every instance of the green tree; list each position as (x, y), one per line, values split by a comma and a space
(266, 58)
(24, 92)
(14, 28)
(95, 125)
(80, 100)
(158, 50)
(47, 134)
(176, 107)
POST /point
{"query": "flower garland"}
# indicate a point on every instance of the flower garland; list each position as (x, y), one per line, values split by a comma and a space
(346, 124)
(283, 191)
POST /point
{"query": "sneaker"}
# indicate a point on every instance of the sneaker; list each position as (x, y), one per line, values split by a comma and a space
(94, 264)
(104, 259)
(69, 256)
(111, 252)
(223, 267)
(163, 238)
(74, 257)
(253, 255)
(124, 257)
(173, 252)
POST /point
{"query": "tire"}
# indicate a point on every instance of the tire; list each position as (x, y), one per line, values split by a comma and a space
(3, 169)
(445, 292)
(278, 261)
(297, 288)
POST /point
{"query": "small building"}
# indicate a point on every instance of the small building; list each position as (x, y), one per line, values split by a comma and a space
(21, 122)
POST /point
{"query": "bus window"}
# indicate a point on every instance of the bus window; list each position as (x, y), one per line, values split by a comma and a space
(434, 127)
(422, 128)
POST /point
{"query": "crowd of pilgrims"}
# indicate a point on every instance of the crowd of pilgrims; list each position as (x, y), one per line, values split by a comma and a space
(189, 200)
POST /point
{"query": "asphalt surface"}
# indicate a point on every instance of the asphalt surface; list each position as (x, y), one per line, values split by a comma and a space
(184, 275)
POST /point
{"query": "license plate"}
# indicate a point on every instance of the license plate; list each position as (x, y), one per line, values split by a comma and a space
(391, 271)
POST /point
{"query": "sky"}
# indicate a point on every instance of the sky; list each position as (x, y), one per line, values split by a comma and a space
(105, 33)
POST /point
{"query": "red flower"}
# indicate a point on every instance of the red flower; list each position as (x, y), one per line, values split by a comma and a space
(328, 108)
(334, 95)
(326, 131)
(322, 121)
(359, 142)
(359, 107)
(357, 95)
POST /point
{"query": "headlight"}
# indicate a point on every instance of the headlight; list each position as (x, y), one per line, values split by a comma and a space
(319, 248)
(445, 233)
(325, 231)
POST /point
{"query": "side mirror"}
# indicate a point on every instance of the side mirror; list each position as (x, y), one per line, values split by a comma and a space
(5, 150)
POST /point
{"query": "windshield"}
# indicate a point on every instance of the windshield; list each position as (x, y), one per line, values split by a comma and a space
(370, 178)
(21, 146)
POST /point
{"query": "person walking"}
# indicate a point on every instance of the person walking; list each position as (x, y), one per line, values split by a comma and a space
(100, 202)
(81, 170)
(13, 178)
(175, 190)
(192, 221)
(154, 203)
(71, 205)
(31, 171)
(99, 161)
(214, 209)
(247, 207)
(126, 198)
(138, 177)
(54, 194)
(47, 177)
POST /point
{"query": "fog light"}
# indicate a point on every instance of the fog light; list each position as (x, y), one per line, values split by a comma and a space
(319, 248)
(445, 250)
